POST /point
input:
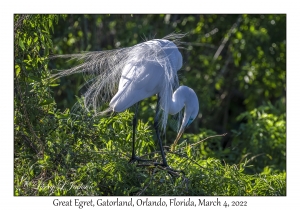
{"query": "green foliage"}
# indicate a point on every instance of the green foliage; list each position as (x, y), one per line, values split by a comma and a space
(89, 156)
(205, 149)
(262, 139)
(33, 101)
(241, 89)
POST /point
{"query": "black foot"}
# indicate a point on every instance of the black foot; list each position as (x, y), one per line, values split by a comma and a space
(133, 159)
(171, 171)
(162, 166)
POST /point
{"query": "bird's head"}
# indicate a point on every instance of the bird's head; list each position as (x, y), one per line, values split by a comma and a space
(190, 113)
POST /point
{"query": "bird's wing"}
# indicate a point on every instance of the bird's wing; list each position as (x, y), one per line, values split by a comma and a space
(137, 82)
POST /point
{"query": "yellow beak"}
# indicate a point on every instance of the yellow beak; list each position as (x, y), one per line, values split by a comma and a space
(177, 139)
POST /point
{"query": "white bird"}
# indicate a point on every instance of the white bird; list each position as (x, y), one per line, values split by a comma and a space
(146, 69)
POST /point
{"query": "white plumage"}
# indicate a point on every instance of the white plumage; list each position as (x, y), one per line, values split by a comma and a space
(126, 76)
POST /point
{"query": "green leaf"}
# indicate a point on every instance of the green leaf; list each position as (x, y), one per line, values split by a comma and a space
(53, 85)
(34, 78)
(18, 69)
(128, 137)
(46, 50)
(21, 44)
(50, 22)
(62, 115)
(46, 101)
(29, 41)
(239, 35)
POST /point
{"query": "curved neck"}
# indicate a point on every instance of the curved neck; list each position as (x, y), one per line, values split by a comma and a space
(184, 96)
(178, 100)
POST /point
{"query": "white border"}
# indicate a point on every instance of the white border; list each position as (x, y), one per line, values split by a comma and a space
(8, 8)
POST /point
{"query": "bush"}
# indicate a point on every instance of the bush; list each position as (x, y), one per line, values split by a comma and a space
(262, 139)
(89, 156)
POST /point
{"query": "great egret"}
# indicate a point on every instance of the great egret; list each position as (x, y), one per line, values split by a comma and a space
(139, 72)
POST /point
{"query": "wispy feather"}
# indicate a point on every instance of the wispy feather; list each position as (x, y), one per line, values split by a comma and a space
(103, 70)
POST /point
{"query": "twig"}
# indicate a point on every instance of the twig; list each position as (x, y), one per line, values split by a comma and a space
(25, 113)
(251, 159)
(172, 172)
(31, 144)
(201, 45)
(143, 190)
(226, 38)
(19, 22)
(224, 134)
(187, 158)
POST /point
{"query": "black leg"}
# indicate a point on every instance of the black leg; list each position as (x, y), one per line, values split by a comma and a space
(134, 123)
(156, 126)
(134, 158)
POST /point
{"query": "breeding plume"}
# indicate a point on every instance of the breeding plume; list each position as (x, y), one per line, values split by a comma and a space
(123, 77)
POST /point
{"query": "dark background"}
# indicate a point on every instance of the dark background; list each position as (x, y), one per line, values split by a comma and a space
(235, 63)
